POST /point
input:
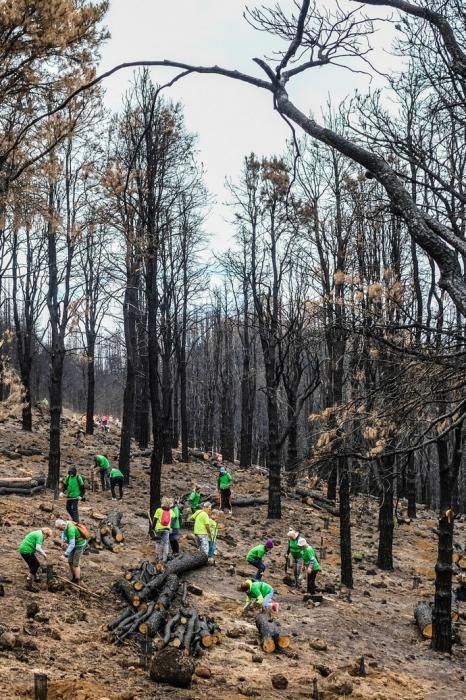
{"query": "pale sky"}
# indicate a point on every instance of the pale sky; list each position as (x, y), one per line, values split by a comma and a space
(231, 118)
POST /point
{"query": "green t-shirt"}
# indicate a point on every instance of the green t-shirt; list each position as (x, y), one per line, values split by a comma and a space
(102, 462)
(309, 557)
(194, 499)
(224, 481)
(116, 472)
(175, 524)
(32, 539)
(294, 549)
(259, 589)
(71, 532)
(257, 552)
(158, 516)
(73, 485)
(201, 519)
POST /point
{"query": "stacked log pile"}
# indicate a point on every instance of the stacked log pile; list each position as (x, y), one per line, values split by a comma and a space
(108, 534)
(158, 608)
(27, 486)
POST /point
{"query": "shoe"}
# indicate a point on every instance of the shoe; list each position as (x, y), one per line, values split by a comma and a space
(230, 512)
(113, 499)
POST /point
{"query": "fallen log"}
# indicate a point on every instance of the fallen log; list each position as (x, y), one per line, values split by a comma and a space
(190, 629)
(315, 495)
(22, 482)
(186, 562)
(168, 592)
(178, 636)
(423, 617)
(132, 625)
(169, 627)
(127, 612)
(5, 491)
(204, 634)
(247, 501)
(270, 634)
(124, 588)
(152, 624)
(198, 454)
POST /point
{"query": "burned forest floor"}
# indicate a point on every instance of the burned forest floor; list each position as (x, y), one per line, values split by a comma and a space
(68, 638)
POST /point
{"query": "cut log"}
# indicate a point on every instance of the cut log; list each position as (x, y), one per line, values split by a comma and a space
(6, 491)
(27, 482)
(204, 634)
(127, 612)
(250, 501)
(124, 588)
(151, 589)
(423, 617)
(117, 534)
(152, 624)
(270, 634)
(190, 628)
(168, 592)
(461, 560)
(178, 636)
(169, 627)
(170, 665)
(186, 562)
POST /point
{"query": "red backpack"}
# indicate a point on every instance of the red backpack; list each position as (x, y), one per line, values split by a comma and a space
(165, 518)
(83, 531)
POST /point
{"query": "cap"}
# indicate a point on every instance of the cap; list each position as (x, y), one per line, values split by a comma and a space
(222, 470)
(302, 542)
(72, 470)
(268, 544)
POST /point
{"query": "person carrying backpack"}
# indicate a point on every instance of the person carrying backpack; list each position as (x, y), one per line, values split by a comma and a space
(74, 489)
(29, 547)
(175, 526)
(297, 555)
(163, 517)
(311, 563)
(195, 498)
(256, 555)
(223, 483)
(202, 529)
(74, 537)
(258, 592)
(116, 479)
(103, 465)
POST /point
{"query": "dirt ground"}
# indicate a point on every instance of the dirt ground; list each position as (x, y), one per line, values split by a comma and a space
(72, 647)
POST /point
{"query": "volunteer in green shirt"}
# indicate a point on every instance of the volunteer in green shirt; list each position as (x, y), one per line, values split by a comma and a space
(202, 529)
(258, 592)
(223, 483)
(163, 517)
(103, 465)
(28, 547)
(116, 479)
(74, 545)
(255, 556)
(175, 527)
(311, 564)
(195, 498)
(74, 489)
(297, 555)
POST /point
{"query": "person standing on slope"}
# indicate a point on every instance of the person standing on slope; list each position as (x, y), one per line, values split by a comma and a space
(223, 484)
(74, 489)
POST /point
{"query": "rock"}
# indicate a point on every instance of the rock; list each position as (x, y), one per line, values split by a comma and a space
(315, 597)
(236, 632)
(367, 594)
(339, 683)
(323, 670)
(379, 584)
(257, 658)
(279, 681)
(171, 666)
(203, 672)
(46, 507)
(318, 644)
(42, 617)
(248, 691)
(371, 572)
(195, 590)
(32, 610)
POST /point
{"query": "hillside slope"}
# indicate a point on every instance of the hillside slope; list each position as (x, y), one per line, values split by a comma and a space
(71, 643)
